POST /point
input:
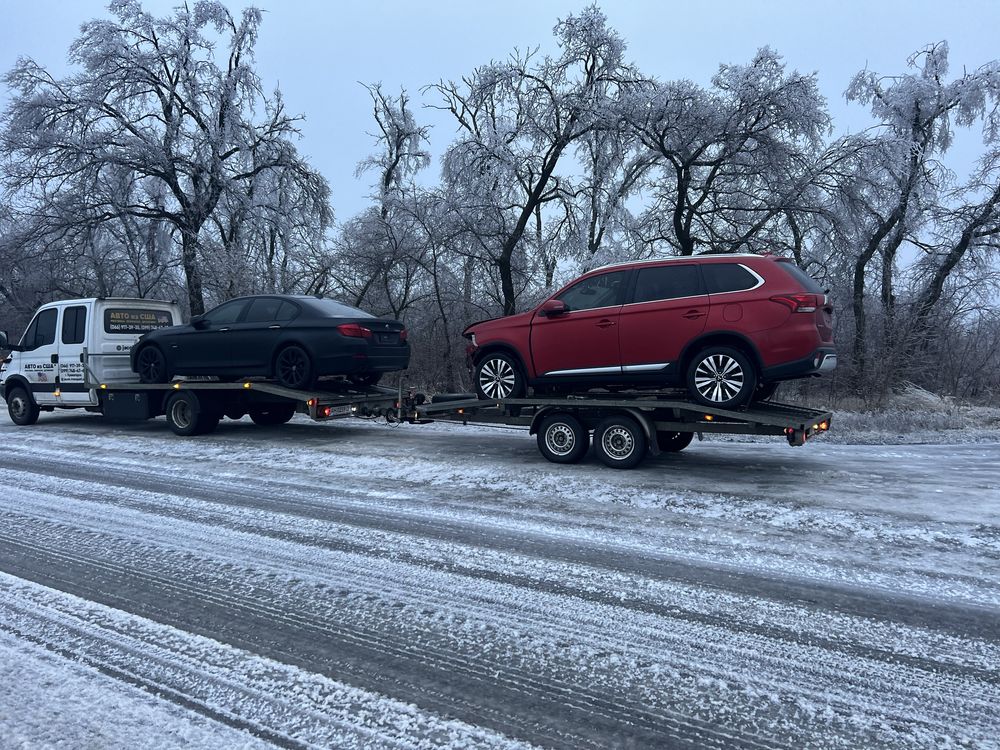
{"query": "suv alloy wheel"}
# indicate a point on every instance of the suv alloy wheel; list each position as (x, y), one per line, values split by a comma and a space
(498, 376)
(721, 376)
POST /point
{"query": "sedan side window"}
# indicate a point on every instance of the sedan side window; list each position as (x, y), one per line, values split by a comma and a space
(226, 313)
(263, 310)
(668, 282)
(606, 290)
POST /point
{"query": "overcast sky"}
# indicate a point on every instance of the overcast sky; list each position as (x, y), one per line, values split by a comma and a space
(318, 51)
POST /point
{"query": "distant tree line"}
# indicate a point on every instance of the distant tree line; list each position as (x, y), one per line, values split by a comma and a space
(162, 168)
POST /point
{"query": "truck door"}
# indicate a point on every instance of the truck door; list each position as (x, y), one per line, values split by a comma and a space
(72, 338)
(40, 360)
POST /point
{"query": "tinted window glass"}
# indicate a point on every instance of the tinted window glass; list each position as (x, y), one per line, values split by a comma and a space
(133, 320)
(333, 309)
(263, 310)
(226, 313)
(74, 323)
(42, 330)
(727, 277)
(667, 282)
(286, 312)
(606, 290)
(807, 282)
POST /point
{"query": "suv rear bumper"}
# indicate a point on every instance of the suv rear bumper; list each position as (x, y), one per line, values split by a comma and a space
(820, 362)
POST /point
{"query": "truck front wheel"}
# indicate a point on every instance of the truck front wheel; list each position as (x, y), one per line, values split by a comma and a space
(21, 407)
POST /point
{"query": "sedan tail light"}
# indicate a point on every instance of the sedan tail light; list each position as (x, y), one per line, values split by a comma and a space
(355, 330)
(403, 335)
(798, 303)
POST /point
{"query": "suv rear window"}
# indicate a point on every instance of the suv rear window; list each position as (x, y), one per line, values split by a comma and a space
(727, 277)
(808, 283)
(133, 320)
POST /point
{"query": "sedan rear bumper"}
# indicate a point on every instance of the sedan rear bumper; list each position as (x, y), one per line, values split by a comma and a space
(357, 362)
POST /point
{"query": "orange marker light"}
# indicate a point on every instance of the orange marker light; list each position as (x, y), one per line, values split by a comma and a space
(709, 417)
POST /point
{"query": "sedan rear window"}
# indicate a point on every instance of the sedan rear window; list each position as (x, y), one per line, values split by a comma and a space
(728, 277)
(333, 309)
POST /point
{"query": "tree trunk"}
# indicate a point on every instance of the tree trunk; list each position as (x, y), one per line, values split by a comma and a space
(189, 259)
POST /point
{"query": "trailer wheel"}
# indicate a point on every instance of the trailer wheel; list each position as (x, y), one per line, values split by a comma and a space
(21, 407)
(620, 442)
(269, 416)
(672, 442)
(186, 416)
(562, 439)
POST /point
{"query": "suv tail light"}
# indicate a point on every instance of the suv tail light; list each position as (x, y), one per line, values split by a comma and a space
(355, 331)
(798, 303)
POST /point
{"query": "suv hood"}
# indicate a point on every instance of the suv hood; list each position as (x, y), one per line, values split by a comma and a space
(502, 322)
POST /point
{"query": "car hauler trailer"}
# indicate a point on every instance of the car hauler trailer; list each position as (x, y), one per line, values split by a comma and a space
(626, 426)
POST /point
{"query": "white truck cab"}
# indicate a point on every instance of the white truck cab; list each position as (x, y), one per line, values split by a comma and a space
(46, 368)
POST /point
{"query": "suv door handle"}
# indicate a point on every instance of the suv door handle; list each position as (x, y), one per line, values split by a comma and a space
(605, 323)
(693, 314)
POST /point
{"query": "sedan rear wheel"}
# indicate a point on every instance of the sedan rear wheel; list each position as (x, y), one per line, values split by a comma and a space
(721, 376)
(293, 367)
(498, 377)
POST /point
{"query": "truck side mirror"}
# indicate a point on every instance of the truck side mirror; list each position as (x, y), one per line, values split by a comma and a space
(552, 308)
(5, 345)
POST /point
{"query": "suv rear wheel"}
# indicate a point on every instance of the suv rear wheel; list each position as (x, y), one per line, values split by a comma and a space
(499, 376)
(721, 376)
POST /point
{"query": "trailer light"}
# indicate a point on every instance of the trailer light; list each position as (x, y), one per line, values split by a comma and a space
(57, 394)
(824, 425)
(104, 386)
(354, 410)
(311, 402)
(789, 431)
(709, 417)
(327, 411)
(177, 386)
(461, 411)
(247, 386)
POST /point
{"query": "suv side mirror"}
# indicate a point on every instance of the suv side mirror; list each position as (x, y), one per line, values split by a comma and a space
(199, 323)
(552, 308)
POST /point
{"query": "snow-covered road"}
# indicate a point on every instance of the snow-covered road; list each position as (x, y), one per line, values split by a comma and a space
(358, 585)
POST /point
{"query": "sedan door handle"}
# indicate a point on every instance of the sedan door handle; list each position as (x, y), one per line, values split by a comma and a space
(273, 328)
(605, 323)
(693, 314)
(223, 329)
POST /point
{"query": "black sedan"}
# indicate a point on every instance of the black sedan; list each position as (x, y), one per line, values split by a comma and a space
(293, 339)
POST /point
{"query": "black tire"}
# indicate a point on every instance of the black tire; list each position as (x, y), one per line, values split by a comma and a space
(620, 442)
(672, 442)
(765, 391)
(21, 407)
(269, 416)
(722, 377)
(186, 416)
(151, 365)
(562, 439)
(294, 368)
(499, 376)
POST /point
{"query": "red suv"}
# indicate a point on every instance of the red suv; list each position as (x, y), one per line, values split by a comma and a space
(726, 327)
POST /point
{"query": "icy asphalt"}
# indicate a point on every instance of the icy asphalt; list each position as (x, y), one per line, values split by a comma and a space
(361, 585)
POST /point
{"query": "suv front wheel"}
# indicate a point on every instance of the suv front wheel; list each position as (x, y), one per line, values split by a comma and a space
(499, 376)
(722, 377)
